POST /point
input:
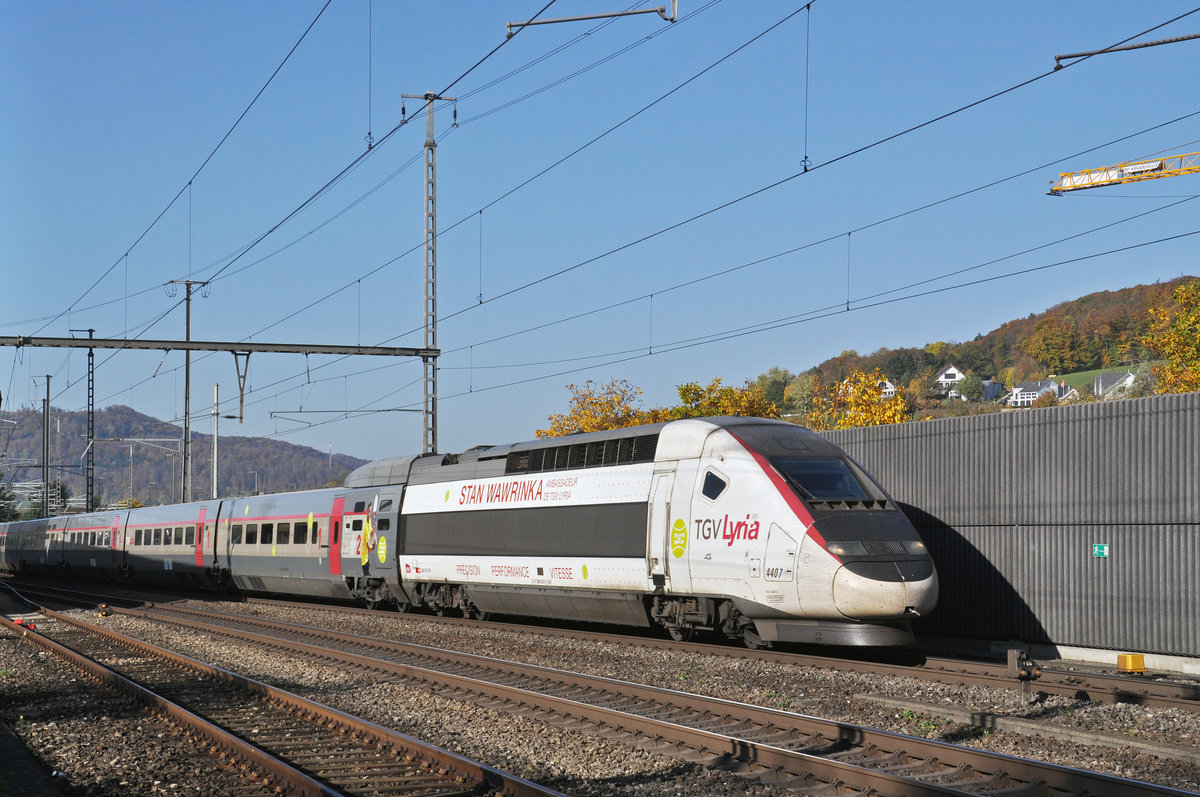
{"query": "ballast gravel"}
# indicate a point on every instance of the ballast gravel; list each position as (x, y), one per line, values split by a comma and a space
(582, 764)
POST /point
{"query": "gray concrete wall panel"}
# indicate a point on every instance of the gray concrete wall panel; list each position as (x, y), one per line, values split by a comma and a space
(1011, 504)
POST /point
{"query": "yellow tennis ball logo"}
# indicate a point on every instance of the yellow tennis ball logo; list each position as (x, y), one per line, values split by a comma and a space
(678, 538)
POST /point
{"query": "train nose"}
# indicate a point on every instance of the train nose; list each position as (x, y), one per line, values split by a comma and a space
(885, 589)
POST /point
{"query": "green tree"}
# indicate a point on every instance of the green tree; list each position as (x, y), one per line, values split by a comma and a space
(8, 502)
(774, 383)
(1174, 336)
(798, 395)
(970, 387)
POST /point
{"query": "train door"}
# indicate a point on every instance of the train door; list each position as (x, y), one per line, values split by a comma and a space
(678, 529)
(380, 550)
(334, 541)
(116, 550)
(199, 543)
(658, 544)
(726, 537)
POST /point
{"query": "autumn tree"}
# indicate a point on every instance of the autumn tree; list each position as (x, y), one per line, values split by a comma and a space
(1057, 345)
(617, 404)
(1174, 336)
(1046, 399)
(595, 408)
(718, 399)
(857, 401)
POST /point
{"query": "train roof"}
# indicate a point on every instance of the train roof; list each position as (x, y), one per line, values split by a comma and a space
(666, 440)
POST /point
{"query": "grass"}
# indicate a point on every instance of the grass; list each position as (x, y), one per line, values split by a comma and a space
(1083, 380)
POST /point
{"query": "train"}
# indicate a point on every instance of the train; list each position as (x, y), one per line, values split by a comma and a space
(744, 528)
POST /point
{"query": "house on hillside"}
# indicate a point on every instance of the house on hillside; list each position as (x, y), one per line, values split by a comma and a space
(1112, 384)
(947, 379)
(991, 390)
(1025, 393)
(887, 390)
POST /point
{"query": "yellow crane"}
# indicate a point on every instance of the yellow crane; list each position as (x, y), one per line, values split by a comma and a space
(1130, 172)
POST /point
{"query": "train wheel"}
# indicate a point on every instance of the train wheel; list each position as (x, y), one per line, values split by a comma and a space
(476, 614)
(684, 634)
(752, 640)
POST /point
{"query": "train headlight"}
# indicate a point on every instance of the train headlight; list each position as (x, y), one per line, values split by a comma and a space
(846, 548)
(915, 547)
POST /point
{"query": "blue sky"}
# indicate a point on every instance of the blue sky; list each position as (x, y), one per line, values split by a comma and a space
(108, 110)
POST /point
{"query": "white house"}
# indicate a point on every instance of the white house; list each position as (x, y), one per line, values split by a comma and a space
(887, 390)
(947, 379)
(1025, 393)
(1112, 384)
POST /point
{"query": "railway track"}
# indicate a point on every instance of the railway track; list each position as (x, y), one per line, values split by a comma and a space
(290, 744)
(774, 746)
(1098, 687)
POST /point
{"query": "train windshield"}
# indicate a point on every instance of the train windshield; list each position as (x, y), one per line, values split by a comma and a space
(821, 478)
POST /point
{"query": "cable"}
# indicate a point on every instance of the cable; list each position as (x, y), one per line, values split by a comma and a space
(824, 164)
(357, 161)
(791, 177)
(814, 314)
(791, 251)
(732, 269)
(349, 168)
(175, 198)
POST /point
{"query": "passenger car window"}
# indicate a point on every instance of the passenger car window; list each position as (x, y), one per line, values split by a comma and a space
(285, 534)
(268, 533)
(190, 536)
(137, 537)
(356, 525)
(301, 535)
(252, 534)
(714, 485)
(235, 535)
(158, 536)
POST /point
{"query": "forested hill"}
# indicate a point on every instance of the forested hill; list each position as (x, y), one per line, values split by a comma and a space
(1100, 330)
(279, 466)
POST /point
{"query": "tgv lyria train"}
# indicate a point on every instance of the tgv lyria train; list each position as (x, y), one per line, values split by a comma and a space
(754, 529)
